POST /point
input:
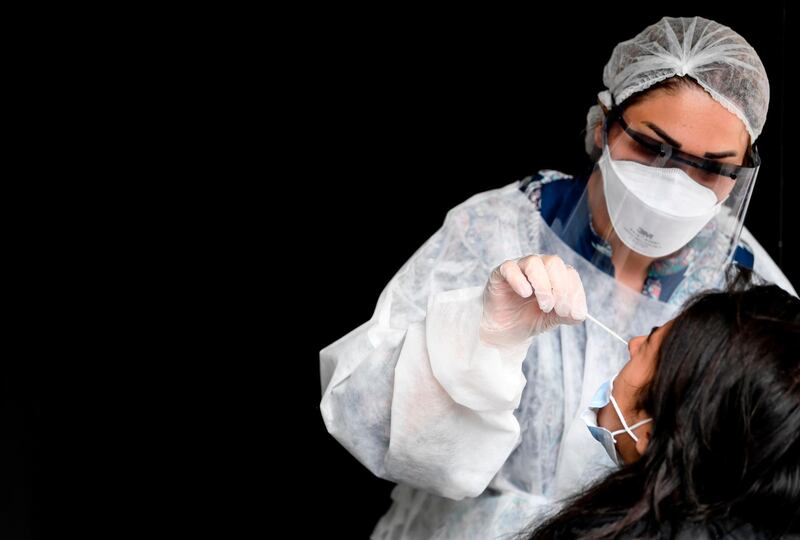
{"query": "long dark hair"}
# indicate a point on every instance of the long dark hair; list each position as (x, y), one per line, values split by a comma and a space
(724, 453)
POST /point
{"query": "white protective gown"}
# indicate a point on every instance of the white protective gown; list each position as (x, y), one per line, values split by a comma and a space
(482, 442)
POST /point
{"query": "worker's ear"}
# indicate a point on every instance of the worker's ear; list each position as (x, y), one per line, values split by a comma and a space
(598, 136)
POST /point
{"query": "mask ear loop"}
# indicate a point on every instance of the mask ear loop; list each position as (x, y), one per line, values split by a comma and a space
(626, 428)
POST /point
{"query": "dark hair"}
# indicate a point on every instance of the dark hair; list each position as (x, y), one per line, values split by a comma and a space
(668, 86)
(724, 452)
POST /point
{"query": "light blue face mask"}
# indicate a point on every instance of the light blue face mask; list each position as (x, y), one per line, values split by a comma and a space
(605, 437)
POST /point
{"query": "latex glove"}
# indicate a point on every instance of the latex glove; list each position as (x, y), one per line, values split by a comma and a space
(529, 296)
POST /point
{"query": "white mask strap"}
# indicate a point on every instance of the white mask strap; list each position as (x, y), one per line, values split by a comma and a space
(626, 429)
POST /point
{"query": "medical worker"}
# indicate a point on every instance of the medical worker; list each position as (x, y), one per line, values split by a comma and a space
(466, 386)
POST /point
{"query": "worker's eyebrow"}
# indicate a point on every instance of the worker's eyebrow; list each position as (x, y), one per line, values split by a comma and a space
(719, 155)
(710, 155)
(661, 133)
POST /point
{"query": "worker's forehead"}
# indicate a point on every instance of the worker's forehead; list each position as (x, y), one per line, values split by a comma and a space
(691, 117)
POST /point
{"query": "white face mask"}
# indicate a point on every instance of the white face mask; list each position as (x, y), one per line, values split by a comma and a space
(654, 211)
(602, 435)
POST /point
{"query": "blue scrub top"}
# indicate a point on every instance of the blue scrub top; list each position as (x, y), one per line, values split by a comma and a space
(558, 197)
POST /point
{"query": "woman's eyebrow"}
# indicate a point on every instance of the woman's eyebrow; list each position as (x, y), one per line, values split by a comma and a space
(651, 333)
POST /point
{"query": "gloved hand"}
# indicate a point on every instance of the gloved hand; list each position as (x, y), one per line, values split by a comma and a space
(528, 296)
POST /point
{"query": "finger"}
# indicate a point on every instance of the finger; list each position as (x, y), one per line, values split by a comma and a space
(511, 272)
(578, 295)
(557, 272)
(534, 269)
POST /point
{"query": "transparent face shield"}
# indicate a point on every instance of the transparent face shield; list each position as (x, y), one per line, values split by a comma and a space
(720, 177)
(649, 204)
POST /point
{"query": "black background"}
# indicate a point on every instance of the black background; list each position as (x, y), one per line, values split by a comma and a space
(417, 112)
(396, 117)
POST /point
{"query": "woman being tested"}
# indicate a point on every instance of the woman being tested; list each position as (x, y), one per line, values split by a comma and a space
(704, 420)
